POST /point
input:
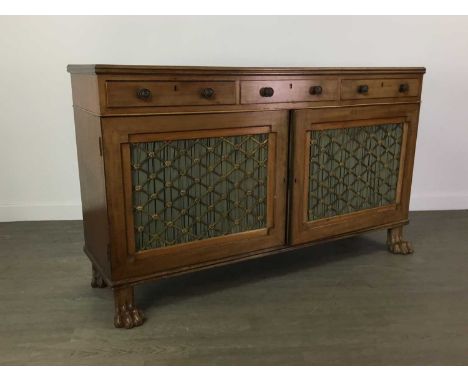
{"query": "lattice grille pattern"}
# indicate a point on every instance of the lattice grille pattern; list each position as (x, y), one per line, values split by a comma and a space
(194, 189)
(353, 169)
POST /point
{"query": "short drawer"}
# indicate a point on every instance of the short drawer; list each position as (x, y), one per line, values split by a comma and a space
(170, 93)
(379, 88)
(289, 91)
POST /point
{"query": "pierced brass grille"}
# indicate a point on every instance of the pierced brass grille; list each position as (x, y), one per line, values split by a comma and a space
(193, 189)
(353, 169)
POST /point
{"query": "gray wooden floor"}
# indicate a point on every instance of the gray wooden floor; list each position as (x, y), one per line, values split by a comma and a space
(343, 303)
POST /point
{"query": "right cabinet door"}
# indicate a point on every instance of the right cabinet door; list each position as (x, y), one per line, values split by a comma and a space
(352, 169)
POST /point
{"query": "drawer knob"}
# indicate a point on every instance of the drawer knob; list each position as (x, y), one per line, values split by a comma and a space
(316, 90)
(267, 92)
(363, 89)
(207, 92)
(143, 93)
(403, 88)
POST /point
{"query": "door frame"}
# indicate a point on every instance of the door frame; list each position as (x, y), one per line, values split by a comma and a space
(302, 230)
(119, 132)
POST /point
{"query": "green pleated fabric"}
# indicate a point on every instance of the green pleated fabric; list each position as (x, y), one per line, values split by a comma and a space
(194, 189)
(353, 169)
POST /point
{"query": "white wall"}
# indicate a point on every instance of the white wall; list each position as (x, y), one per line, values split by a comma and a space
(38, 166)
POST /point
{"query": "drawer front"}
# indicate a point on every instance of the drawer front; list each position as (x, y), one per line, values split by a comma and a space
(170, 93)
(379, 88)
(289, 91)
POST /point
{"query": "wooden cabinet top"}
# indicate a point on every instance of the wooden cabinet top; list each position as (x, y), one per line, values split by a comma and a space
(220, 70)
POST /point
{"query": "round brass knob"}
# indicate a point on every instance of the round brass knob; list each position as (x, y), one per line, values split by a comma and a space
(207, 92)
(267, 92)
(315, 90)
(143, 93)
(363, 89)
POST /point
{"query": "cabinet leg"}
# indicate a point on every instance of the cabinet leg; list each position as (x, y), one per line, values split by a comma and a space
(395, 242)
(127, 315)
(96, 279)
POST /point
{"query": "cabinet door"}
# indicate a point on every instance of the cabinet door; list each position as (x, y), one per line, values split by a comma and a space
(193, 189)
(352, 169)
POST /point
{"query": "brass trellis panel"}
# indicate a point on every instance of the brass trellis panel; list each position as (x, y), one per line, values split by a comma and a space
(353, 169)
(193, 189)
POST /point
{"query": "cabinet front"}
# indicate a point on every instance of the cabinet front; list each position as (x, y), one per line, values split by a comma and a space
(196, 188)
(352, 169)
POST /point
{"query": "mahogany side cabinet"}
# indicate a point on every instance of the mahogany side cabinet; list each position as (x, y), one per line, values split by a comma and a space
(185, 168)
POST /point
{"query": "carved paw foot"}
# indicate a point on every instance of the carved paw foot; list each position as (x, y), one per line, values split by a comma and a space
(127, 316)
(401, 247)
(396, 244)
(96, 280)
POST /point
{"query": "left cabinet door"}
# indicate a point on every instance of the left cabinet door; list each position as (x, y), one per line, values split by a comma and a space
(186, 190)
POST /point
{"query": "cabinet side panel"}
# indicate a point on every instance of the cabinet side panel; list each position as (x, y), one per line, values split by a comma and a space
(93, 191)
(86, 92)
